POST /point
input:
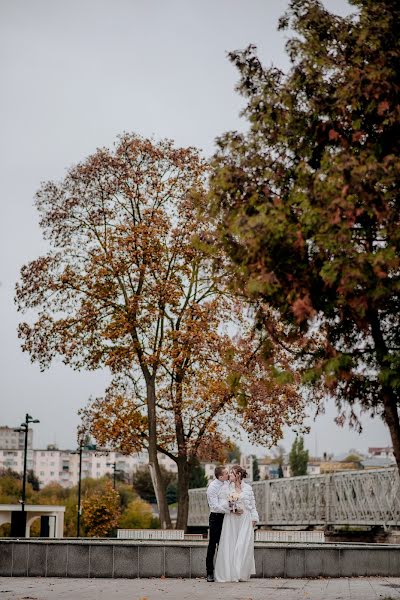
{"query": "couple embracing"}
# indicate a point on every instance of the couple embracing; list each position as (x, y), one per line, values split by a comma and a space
(232, 520)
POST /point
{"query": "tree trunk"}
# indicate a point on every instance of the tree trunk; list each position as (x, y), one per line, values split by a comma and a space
(391, 415)
(182, 462)
(154, 466)
(389, 398)
(183, 493)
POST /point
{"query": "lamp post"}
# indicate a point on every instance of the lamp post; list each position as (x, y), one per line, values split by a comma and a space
(78, 520)
(82, 447)
(115, 471)
(25, 428)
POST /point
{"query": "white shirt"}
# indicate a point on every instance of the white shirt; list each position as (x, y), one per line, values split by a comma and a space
(217, 496)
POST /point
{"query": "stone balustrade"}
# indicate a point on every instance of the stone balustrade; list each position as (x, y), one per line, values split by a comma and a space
(121, 559)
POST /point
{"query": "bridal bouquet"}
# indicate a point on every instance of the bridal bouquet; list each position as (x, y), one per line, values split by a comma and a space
(233, 500)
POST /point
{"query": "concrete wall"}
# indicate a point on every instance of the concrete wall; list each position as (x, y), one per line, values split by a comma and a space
(120, 559)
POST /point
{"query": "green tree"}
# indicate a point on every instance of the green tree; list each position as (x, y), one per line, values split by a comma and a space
(138, 514)
(33, 480)
(307, 202)
(198, 478)
(352, 458)
(256, 470)
(298, 458)
(172, 492)
(126, 495)
(11, 487)
(143, 484)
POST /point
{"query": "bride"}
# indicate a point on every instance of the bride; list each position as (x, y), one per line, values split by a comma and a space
(235, 557)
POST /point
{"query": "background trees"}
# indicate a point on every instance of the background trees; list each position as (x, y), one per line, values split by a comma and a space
(298, 458)
(256, 470)
(307, 202)
(11, 486)
(143, 485)
(134, 512)
(138, 515)
(198, 477)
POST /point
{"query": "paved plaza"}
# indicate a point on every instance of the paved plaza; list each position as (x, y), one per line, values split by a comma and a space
(361, 588)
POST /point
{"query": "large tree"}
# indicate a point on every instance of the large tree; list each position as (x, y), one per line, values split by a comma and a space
(119, 226)
(307, 201)
(123, 287)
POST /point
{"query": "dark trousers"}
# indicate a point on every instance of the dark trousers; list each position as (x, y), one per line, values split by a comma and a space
(216, 521)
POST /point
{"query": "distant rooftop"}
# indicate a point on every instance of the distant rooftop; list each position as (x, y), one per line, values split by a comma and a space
(376, 461)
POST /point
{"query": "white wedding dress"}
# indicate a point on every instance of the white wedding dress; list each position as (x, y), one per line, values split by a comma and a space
(235, 556)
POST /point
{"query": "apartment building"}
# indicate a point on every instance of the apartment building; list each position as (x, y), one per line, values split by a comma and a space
(14, 440)
(62, 466)
(14, 459)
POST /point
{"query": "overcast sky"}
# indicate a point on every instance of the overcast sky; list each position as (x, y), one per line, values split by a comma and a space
(76, 74)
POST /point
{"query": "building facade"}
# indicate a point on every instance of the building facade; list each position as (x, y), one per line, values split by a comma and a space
(14, 440)
(62, 466)
(385, 452)
(14, 460)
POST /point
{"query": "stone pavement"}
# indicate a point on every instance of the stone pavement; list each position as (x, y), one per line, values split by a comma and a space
(361, 588)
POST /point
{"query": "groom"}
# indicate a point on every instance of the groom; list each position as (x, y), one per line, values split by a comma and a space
(217, 494)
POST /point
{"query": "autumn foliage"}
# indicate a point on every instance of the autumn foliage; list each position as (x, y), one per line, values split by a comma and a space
(125, 287)
(307, 201)
(101, 511)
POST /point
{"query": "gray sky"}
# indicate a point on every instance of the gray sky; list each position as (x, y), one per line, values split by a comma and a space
(76, 74)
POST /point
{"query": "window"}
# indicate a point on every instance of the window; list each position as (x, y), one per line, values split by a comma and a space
(42, 473)
(51, 473)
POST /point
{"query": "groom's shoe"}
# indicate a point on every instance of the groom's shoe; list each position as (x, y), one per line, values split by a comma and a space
(210, 578)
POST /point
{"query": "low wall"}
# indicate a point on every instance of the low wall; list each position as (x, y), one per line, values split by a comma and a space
(105, 558)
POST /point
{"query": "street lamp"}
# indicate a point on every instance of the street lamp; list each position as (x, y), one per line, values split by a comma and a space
(115, 471)
(24, 428)
(82, 446)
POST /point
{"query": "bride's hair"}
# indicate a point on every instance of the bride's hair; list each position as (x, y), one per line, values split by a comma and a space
(239, 471)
